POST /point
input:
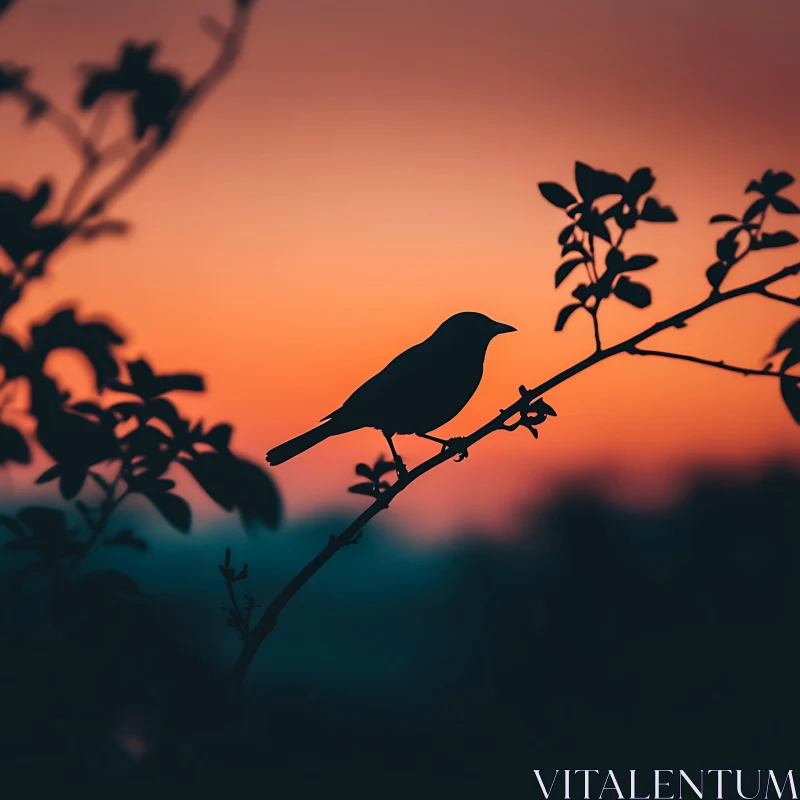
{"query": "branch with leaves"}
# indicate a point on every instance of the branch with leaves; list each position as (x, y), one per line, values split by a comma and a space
(106, 453)
(160, 102)
(625, 203)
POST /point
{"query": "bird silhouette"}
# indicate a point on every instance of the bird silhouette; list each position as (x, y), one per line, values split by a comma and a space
(417, 392)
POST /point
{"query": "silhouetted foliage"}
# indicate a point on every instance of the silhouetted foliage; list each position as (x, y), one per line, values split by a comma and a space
(126, 441)
(155, 94)
(424, 365)
(238, 617)
(373, 486)
(126, 447)
(631, 204)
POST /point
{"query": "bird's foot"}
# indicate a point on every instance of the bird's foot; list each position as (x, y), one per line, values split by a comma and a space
(400, 468)
(458, 444)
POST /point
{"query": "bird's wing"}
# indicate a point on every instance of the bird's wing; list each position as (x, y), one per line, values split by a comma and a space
(398, 373)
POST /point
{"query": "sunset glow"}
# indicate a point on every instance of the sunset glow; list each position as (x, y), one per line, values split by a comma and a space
(371, 168)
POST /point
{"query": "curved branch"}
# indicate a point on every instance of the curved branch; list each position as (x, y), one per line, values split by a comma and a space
(780, 298)
(638, 351)
(231, 47)
(193, 97)
(268, 620)
(63, 122)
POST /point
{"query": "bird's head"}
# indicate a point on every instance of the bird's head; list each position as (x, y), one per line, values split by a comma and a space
(472, 327)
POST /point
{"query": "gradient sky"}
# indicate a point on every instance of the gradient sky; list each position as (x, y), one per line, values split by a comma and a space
(371, 168)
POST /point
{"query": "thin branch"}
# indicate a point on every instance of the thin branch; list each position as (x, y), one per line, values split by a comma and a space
(97, 527)
(227, 57)
(63, 122)
(780, 298)
(596, 325)
(638, 351)
(268, 620)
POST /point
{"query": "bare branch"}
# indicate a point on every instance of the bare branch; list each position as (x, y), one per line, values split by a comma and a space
(638, 351)
(64, 123)
(780, 298)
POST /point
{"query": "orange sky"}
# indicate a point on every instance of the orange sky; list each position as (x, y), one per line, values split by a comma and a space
(371, 168)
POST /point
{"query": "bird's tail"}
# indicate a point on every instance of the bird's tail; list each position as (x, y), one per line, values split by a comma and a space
(283, 452)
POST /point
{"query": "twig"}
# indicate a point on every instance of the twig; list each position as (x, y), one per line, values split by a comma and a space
(97, 527)
(268, 620)
(237, 619)
(638, 351)
(228, 55)
(780, 298)
(596, 325)
(64, 123)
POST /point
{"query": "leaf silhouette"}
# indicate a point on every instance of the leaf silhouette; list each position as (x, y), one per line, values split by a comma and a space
(14, 359)
(147, 483)
(716, 273)
(13, 526)
(639, 262)
(792, 358)
(147, 385)
(784, 206)
(789, 339)
(42, 518)
(593, 183)
(772, 182)
(637, 294)
(723, 218)
(257, 499)
(653, 211)
(219, 436)
(564, 269)
(382, 467)
(753, 186)
(173, 508)
(574, 247)
(99, 83)
(71, 481)
(213, 472)
(755, 209)
(791, 397)
(49, 475)
(640, 183)
(582, 292)
(95, 339)
(565, 314)
(727, 247)
(556, 194)
(779, 239)
(126, 538)
(363, 488)
(13, 446)
(71, 438)
(591, 222)
(563, 237)
(365, 471)
(157, 97)
(615, 260)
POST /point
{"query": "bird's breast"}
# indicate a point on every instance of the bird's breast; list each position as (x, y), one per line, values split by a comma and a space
(434, 398)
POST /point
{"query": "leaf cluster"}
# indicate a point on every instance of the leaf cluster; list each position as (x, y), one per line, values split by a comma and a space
(373, 486)
(626, 203)
(746, 234)
(155, 95)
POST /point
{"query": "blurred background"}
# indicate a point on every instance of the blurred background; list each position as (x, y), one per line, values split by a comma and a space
(622, 589)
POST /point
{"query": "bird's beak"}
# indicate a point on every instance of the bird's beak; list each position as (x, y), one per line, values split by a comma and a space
(500, 327)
